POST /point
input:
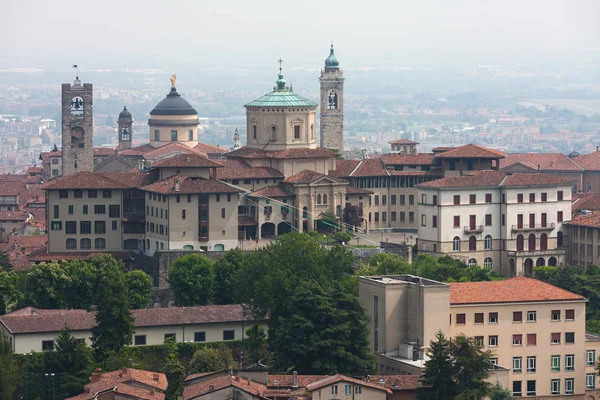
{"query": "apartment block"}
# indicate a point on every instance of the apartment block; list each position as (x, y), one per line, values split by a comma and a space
(535, 330)
(510, 223)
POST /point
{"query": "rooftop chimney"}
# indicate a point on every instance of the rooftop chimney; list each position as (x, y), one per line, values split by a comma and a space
(248, 379)
(211, 388)
(155, 377)
(187, 159)
(295, 381)
(177, 185)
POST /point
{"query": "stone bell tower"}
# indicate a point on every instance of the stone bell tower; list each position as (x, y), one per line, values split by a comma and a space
(77, 128)
(332, 104)
(125, 122)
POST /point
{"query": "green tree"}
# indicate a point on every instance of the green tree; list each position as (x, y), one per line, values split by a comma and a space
(4, 262)
(81, 287)
(114, 324)
(472, 368)
(497, 392)
(139, 288)
(8, 290)
(437, 377)
(209, 359)
(255, 342)
(72, 361)
(45, 285)
(8, 372)
(174, 371)
(226, 270)
(385, 264)
(192, 280)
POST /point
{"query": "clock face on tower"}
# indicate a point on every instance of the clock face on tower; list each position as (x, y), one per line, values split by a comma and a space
(77, 106)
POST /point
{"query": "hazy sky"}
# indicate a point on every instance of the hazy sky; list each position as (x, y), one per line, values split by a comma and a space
(239, 33)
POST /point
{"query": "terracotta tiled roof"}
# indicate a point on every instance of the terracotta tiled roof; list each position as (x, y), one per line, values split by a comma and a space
(12, 177)
(131, 179)
(205, 374)
(138, 151)
(133, 383)
(169, 150)
(11, 188)
(479, 179)
(303, 153)
(103, 151)
(189, 185)
(287, 381)
(83, 180)
(496, 178)
(370, 167)
(247, 152)
(354, 190)
(77, 320)
(45, 155)
(590, 162)
(35, 170)
(403, 141)
(409, 159)
(248, 386)
(513, 290)
(536, 179)
(397, 382)
(342, 378)
(343, 168)
(271, 191)
(12, 216)
(307, 176)
(239, 169)
(188, 160)
(209, 149)
(546, 161)
(591, 220)
(586, 201)
(221, 382)
(471, 151)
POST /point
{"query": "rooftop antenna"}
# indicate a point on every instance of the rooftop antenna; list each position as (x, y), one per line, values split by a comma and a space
(77, 70)
(280, 61)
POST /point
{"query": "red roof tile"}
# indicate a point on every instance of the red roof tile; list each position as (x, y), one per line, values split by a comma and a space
(84, 180)
(78, 320)
(403, 141)
(397, 382)
(12, 216)
(170, 149)
(305, 177)
(370, 167)
(247, 152)
(409, 159)
(591, 220)
(343, 168)
(221, 382)
(545, 161)
(590, 162)
(537, 179)
(271, 191)
(12, 188)
(135, 383)
(134, 179)
(303, 153)
(209, 149)
(188, 184)
(137, 151)
(188, 160)
(471, 151)
(513, 290)
(586, 201)
(240, 169)
(479, 179)
(103, 151)
(287, 381)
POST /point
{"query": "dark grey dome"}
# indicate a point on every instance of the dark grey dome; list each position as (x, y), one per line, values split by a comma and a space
(173, 104)
(124, 114)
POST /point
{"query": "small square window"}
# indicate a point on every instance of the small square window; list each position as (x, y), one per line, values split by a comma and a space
(569, 337)
(493, 341)
(460, 319)
(517, 340)
(555, 315)
(170, 336)
(47, 345)
(479, 318)
(229, 334)
(493, 318)
(199, 336)
(569, 315)
(531, 316)
(139, 340)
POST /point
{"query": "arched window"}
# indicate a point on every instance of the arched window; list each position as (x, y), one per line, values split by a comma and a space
(531, 244)
(85, 243)
(324, 199)
(472, 243)
(472, 262)
(544, 242)
(332, 103)
(273, 133)
(487, 242)
(100, 243)
(319, 199)
(254, 132)
(487, 263)
(71, 243)
(456, 243)
(520, 242)
(559, 239)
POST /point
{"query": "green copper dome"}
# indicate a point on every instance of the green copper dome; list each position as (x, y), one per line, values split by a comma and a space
(332, 62)
(281, 96)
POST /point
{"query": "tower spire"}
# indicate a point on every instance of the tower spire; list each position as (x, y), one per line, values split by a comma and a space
(280, 81)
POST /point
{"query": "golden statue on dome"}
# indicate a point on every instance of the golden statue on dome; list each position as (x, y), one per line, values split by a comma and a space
(173, 79)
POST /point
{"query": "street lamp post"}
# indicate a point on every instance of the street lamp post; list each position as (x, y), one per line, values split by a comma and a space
(50, 375)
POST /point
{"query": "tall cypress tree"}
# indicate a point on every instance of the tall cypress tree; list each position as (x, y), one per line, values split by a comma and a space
(438, 376)
(72, 362)
(114, 324)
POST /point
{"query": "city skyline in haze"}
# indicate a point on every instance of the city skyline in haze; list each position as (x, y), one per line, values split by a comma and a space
(244, 35)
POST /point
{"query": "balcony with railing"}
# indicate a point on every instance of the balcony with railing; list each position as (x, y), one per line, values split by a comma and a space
(473, 229)
(533, 227)
(559, 251)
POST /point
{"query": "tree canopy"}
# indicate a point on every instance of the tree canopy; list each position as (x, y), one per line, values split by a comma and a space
(192, 280)
(227, 269)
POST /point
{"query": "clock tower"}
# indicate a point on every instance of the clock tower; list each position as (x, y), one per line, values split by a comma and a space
(332, 104)
(77, 128)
